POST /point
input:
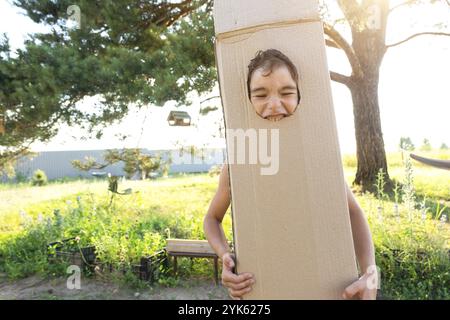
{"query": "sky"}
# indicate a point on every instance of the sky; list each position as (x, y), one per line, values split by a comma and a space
(414, 94)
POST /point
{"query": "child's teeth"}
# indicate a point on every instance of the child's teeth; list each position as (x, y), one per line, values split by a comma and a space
(275, 118)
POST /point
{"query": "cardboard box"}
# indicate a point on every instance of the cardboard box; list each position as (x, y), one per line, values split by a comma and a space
(292, 228)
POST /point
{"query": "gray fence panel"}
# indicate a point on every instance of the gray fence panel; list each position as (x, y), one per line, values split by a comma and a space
(57, 164)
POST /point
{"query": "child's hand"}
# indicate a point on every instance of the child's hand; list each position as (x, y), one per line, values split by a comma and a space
(363, 289)
(237, 285)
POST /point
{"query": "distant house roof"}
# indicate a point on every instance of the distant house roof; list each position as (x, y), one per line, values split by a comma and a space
(179, 118)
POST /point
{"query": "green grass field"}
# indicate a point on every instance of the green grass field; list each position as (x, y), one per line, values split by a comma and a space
(412, 245)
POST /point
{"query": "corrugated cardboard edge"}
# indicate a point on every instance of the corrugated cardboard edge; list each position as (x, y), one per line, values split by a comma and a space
(233, 225)
(300, 10)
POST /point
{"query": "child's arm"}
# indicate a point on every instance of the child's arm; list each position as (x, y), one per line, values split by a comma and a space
(362, 237)
(212, 223)
(365, 287)
(237, 285)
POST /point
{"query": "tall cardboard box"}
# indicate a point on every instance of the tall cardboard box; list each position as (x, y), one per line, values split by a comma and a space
(292, 228)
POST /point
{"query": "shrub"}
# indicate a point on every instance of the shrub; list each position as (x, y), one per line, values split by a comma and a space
(349, 161)
(411, 245)
(411, 241)
(39, 178)
(21, 178)
(214, 171)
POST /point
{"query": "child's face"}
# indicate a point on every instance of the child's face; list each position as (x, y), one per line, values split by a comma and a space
(274, 96)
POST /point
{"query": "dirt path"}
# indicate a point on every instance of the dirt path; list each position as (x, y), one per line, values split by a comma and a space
(35, 288)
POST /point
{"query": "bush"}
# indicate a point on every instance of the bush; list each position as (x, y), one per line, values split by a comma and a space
(412, 241)
(349, 161)
(411, 251)
(214, 171)
(414, 274)
(39, 178)
(21, 178)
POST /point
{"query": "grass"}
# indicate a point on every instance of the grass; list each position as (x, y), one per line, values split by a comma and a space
(135, 225)
(410, 229)
(411, 242)
(430, 184)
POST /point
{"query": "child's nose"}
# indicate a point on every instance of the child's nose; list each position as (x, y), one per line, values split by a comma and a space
(274, 107)
(274, 102)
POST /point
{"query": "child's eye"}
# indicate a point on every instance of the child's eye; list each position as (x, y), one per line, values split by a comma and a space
(288, 94)
(260, 96)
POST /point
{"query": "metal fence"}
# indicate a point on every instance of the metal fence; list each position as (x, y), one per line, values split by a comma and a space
(57, 164)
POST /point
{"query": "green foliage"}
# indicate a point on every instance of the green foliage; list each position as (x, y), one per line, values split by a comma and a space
(214, 171)
(413, 250)
(155, 53)
(349, 161)
(132, 227)
(21, 178)
(88, 164)
(39, 178)
(25, 253)
(380, 184)
(406, 144)
(135, 162)
(409, 196)
(411, 241)
(396, 160)
(426, 145)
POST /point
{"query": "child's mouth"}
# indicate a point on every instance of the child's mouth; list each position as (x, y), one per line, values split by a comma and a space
(275, 118)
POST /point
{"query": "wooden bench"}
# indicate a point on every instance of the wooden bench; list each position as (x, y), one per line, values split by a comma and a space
(192, 249)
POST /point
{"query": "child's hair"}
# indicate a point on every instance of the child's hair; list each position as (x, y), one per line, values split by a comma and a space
(268, 60)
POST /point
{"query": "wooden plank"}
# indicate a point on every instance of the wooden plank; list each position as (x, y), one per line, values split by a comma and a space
(194, 246)
(192, 254)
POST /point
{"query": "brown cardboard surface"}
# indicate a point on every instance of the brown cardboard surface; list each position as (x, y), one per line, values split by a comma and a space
(291, 229)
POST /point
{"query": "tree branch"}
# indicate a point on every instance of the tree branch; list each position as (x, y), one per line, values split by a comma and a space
(350, 9)
(417, 35)
(10, 156)
(411, 2)
(340, 78)
(344, 45)
(184, 8)
(408, 2)
(210, 98)
(332, 44)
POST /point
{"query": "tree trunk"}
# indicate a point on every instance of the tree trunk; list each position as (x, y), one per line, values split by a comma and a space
(371, 156)
(369, 49)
